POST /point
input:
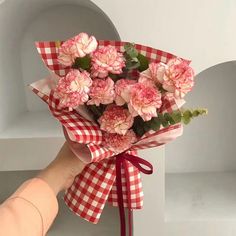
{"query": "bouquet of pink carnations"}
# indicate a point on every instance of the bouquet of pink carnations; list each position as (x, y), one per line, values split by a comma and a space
(115, 98)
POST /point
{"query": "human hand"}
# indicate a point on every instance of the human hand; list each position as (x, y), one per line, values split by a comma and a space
(61, 172)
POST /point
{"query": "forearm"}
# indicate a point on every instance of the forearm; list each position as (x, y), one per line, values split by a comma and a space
(33, 207)
(60, 174)
(29, 211)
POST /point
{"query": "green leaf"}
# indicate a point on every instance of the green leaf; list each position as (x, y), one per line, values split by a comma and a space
(203, 111)
(95, 110)
(147, 126)
(155, 124)
(187, 113)
(176, 116)
(195, 113)
(139, 130)
(186, 118)
(198, 112)
(138, 126)
(131, 50)
(127, 46)
(82, 63)
(163, 121)
(168, 118)
(143, 62)
(132, 64)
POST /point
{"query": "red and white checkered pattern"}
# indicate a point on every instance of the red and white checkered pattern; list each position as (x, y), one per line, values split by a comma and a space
(83, 130)
(131, 187)
(41, 95)
(95, 185)
(49, 53)
(89, 192)
(99, 153)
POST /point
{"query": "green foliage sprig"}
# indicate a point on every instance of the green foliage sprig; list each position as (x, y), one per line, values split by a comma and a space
(134, 59)
(96, 111)
(82, 63)
(184, 116)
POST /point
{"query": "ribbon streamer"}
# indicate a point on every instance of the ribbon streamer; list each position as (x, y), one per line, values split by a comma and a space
(137, 162)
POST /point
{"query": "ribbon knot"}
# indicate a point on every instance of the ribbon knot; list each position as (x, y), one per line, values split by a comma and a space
(137, 162)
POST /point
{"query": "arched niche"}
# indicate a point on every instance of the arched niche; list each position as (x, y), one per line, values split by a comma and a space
(201, 165)
(208, 143)
(23, 114)
(26, 124)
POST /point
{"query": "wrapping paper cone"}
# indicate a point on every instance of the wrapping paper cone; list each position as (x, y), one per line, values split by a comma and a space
(96, 184)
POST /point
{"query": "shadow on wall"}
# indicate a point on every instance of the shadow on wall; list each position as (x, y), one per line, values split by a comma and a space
(208, 143)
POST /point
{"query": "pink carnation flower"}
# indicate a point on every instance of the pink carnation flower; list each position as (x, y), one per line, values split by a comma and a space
(85, 44)
(154, 73)
(72, 100)
(144, 101)
(78, 46)
(107, 59)
(73, 88)
(119, 143)
(122, 89)
(116, 119)
(67, 53)
(101, 92)
(147, 82)
(75, 81)
(178, 77)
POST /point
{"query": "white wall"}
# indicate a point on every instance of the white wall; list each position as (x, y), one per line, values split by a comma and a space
(11, 87)
(150, 219)
(208, 143)
(202, 30)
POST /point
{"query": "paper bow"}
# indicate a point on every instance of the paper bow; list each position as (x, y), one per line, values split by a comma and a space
(96, 184)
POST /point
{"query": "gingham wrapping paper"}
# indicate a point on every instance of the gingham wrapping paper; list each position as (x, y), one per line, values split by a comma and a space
(83, 130)
(49, 53)
(131, 187)
(90, 190)
(95, 185)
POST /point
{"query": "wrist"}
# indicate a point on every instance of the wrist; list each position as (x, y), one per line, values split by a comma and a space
(53, 178)
(61, 172)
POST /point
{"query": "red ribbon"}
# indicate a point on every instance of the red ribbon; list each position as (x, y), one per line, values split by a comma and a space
(137, 162)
